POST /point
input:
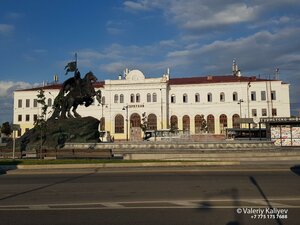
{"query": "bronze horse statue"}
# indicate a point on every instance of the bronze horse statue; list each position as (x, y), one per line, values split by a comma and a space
(75, 91)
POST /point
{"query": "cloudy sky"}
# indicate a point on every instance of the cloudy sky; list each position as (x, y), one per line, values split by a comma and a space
(192, 37)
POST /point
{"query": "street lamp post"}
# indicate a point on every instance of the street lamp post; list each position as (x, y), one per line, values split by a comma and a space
(248, 86)
(240, 103)
(126, 108)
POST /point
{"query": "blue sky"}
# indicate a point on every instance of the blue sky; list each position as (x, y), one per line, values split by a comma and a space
(192, 37)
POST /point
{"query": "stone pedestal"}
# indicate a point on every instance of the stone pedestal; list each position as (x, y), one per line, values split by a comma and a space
(57, 132)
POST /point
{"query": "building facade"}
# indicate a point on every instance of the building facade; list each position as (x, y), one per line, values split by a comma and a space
(165, 102)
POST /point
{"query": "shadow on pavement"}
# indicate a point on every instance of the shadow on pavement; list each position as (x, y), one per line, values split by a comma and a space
(296, 169)
(48, 185)
(253, 181)
(206, 206)
(5, 168)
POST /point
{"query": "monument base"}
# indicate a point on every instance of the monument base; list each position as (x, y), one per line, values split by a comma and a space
(57, 132)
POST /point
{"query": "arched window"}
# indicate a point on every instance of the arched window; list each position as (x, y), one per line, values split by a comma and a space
(197, 97)
(116, 98)
(49, 102)
(200, 124)
(223, 123)
(102, 123)
(103, 100)
(174, 122)
(148, 97)
(135, 120)
(209, 97)
(186, 123)
(173, 98)
(119, 124)
(137, 97)
(121, 98)
(235, 121)
(211, 124)
(185, 98)
(222, 97)
(154, 97)
(152, 122)
(235, 96)
(132, 98)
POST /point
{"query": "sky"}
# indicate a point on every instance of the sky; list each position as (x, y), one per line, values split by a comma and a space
(191, 37)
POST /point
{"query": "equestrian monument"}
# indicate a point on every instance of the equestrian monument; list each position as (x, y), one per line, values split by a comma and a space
(65, 124)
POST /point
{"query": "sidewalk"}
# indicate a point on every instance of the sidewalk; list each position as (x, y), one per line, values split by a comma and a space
(152, 166)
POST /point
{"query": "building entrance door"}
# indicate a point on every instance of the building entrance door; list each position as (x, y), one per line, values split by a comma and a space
(135, 127)
(135, 134)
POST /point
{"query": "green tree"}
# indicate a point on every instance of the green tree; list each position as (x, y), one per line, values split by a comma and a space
(40, 123)
(6, 129)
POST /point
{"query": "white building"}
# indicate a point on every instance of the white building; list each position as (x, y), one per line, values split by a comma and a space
(169, 102)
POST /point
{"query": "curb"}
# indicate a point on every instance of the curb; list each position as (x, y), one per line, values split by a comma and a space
(116, 165)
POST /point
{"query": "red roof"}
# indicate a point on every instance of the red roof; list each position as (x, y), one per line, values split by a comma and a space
(212, 79)
(176, 81)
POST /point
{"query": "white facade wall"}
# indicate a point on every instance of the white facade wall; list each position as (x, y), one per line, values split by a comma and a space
(135, 83)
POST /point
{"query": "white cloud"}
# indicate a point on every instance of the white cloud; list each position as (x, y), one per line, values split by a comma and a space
(114, 68)
(6, 97)
(232, 14)
(8, 87)
(136, 6)
(6, 28)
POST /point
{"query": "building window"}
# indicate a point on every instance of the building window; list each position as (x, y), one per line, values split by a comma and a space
(27, 118)
(273, 95)
(253, 96)
(186, 123)
(135, 120)
(27, 103)
(19, 118)
(20, 103)
(121, 98)
(209, 97)
(185, 98)
(274, 112)
(103, 100)
(116, 98)
(263, 95)
(132, 98)
(119, 124)
(137, 98)
(34, 117)
(223, 123)
(148, 97)
(222, 97)
(211, 124)
(197, 97)
(49, 102)
(173, 98)
(19, 132)
(235, 121)
(234, 96)
(174, 122)
(34, 103)
(200, 124)
(152, 122)
(264, 112)
(254, 112)
(154, 97)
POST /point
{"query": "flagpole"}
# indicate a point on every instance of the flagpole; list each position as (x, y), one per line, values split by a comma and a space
(75, 63)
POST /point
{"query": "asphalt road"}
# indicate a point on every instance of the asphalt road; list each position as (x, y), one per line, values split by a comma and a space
(157, 197)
